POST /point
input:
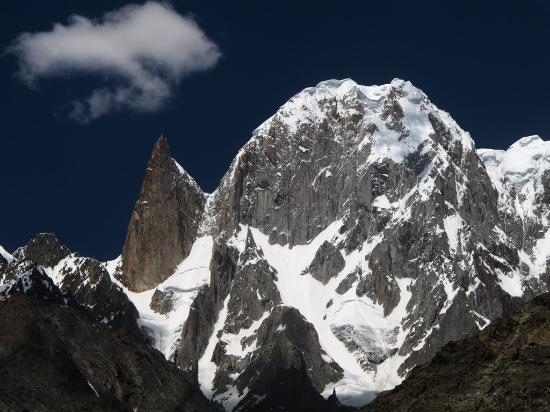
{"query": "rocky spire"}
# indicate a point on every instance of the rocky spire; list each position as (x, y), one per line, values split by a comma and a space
(164, 221)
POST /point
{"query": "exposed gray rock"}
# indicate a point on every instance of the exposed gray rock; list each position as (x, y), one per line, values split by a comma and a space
(328, 262)
(253, 290)
(34, 282)
(253, 294)
(44, 250)
(205, 309)
(196, 331)
(162, 301)
(286, 341)
(347, 283)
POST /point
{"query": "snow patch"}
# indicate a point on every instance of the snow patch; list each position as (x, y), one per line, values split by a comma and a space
(6, 255)
(510, 282)
(206, 368)
(381, 202)
(95, 391)
(453, 224)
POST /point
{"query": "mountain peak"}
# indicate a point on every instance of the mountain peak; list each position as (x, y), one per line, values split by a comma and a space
(389, 121)
(164, 223)
(525, 161)
(528, 156)
(44, 249)
(160, 155)
(526, 141)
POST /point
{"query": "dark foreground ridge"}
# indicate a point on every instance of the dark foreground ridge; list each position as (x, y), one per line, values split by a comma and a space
(55, 357)
(504, 368)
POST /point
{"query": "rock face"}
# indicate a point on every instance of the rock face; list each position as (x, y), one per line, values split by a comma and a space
(506, 367)
(44, 250)
(90, 284)
(162, 302)
(288, 346)
(290, 390)
(199, 326)
(327, 263)
(164, 222)
(55, 357)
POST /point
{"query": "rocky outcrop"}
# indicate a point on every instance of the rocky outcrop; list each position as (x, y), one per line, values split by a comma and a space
(506, 367)
(291, 391)
(253, 290)
(44, 249)
(162, 301)
(328, 262)
(287, 345)
(163, 224)
(251, 298)
(204, 311)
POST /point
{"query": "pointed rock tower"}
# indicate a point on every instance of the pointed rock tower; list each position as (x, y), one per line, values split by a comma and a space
(164, 221)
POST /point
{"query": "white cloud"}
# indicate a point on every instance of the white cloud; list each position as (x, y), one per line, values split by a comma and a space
(139, 53)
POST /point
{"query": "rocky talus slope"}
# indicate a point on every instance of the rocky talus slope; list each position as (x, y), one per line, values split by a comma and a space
(354, 235)
(506, 367)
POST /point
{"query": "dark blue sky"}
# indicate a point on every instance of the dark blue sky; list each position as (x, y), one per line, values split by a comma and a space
(487, 63)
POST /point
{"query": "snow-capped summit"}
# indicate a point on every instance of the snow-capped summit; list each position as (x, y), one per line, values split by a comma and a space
(394, 116)
(371, 215)
(520, 163)
(522, 175)
(321, 148)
